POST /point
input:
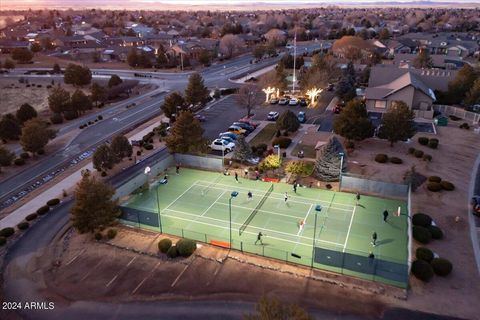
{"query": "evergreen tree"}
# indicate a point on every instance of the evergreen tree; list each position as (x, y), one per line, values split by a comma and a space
(473, 95)
(80, 102)
(77, 75)
(281, 77)
(186, 135)
(162, 60)
(98, 93)
(423, 60)
(93, 207)
(242, 151)
(104, 158)
(9, 128)
(56, 69)
(6, 157)
(8, 64)
(458, 87)
(132, 58)
(353, 123)
(196, 92)
(121, 147)
(204, 57)
(329, 157)
(171, 102)
(288, 121)
(25, 112)
(22, 55)
(398, 123)
(114, 81)
(59, 100)
(35, 135)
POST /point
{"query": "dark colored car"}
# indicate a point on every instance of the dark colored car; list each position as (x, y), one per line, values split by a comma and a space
(303, 102)
(245, 126)
(476, 205)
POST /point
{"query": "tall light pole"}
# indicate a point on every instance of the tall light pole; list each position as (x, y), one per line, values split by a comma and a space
(277, 146)
(341, 154)
(232, 195)
(294, 60)
(318, 208)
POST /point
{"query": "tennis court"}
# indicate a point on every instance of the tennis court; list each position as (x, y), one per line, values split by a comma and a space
(195, 204)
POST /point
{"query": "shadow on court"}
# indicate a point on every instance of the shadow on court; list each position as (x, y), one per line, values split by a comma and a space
(362, 264)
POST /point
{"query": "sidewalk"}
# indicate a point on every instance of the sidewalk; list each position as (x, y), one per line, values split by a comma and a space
(298, 138)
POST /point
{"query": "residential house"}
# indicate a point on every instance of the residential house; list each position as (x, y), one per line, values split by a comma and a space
(439, 61)
(447, 43)
(7, 46)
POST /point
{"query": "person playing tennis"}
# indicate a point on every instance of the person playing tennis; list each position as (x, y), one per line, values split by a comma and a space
(301, 224)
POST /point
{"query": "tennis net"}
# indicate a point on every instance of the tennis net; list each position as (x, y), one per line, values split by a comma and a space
(254, 212)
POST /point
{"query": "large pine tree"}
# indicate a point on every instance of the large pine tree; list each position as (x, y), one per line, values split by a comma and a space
(186, 135)
(327, 166)
(242, 151)
(196, 92)
(353, 123)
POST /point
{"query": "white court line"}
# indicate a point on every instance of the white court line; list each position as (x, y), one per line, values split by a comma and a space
(349, 227)
(171, 203)
(213, 203)
(305, 220)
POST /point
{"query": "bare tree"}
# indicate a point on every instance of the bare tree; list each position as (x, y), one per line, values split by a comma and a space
(230, 44)
(249, 96)
(275, 36)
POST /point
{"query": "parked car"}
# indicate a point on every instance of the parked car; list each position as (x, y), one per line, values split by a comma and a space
(283, 101)
(200, 118)
(272, 115)
(219, 145)
(274, 101)
(303, 102)
(476, 205)
(338, 107)
(245, 126)
(330, 87)
(227, 138)
(302, 117)
(231, 135)
(293, 102)
(249, 122)
(237, 130)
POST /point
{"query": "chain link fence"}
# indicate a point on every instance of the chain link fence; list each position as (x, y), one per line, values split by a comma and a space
(353, 183)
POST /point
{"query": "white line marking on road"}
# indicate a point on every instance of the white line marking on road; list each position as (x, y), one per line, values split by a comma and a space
(181, 273)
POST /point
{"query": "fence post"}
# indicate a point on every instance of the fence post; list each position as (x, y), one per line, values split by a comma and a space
(241, 246)
(206, 238)
(182, 234)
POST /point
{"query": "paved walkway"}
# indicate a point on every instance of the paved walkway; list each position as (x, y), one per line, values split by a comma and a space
(299, 138)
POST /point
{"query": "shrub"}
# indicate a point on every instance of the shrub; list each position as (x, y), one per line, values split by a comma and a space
(434, 186)
(422, 220)
(418, 153)
(381, 158)
(19, 162)
(424, 254)
(172, 252)
(139, 153)
(427, 157)
(100, 117)
(436, 232)
(283, 142)
(23, 225)
(56, 118)
(350, 145)
(53, 202)
(422, 270)
(164, 245)
(433, 143)
(43, 210)
(98, 236)
(447, 185)
(441, 266)
(7, 232)
(434, 179)
(411, 150)
(70, 114)
(423, 141)
(396, 160)
(103, 174)
(40, 152)
(31, 216)
(465, 126)
(111, 233)
(421, 234)
(186, 247)
(3, 241)
(25, 155)
(148, 146)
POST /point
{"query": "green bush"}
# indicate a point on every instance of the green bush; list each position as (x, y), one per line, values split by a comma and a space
(283, 142)
(411, 150)
(434, 186)
(19, 162)
(427, 157)
(424, 254)
(43, 210)
(349, 145)
(421, 234)
(53, 202)
(441, 266)
(172, 252)
(111, 233)
(57, 118)
(381, 158)
(465, 126)
(423, 141)
(103, 174)
(31, 216)
(447, 185)
(164, 245)
(422, 220)
(98, 236)
(148, 146)
(396, 160)
(186, 247)
(418, 153)
(23, 225)
(422, 270)
(433, 143)
(434, 179)
(24, 155)
(436, 232)
(3, 241)
(7, 232)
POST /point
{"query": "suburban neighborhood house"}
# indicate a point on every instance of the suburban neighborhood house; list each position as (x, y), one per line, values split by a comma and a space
(413, 86)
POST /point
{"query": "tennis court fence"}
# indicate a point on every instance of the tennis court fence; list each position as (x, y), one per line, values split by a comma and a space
(346, 262)
(207, 162)
(355, 183)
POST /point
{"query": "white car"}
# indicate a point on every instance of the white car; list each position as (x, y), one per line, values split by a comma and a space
(219, 145)
(293, 102)
(272, 115)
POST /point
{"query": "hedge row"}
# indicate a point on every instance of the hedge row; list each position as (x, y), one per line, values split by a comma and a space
(436, 184)
(424, 269)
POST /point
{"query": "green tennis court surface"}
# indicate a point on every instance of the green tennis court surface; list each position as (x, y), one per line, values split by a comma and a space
(195, 204)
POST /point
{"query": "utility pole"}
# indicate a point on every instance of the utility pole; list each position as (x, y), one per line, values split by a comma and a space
(294, 60)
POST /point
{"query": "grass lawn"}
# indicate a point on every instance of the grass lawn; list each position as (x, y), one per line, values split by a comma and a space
(308, 150)
(265, 135)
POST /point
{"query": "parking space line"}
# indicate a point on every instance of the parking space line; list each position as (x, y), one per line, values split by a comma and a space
(214, 275)
(181, 273)
(115, 277)
(90, 271)
(74, 258)
(144, 279)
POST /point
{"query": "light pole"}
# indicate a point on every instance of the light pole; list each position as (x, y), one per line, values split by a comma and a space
(158, 207)
(232, 195)
(277, 146)
(341, 154)
(318, 208)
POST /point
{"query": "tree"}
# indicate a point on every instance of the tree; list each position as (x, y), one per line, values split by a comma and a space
(103, 158)
(144, 60)
(329, 159)
(281, 77)
(288, 121)
(93, 207)
(275, 37)
(80, 102)
(299, 168)
(473, 95)
(6, 157)
(384, 34)
(423, 60)
(114, 81)
(242, 151)
(398, 123)
(204, 57)
(162, 60)
(121, 147)
(249, 96)
(132, 58)
(196, 92)
(35, 135)
(22, 55)
(346, 89)
(353, 123)
(270, 162)
(458, 87)
(269, 309)
(56, 69)
(36, 47)
(171, 102)
(259, 51)
(230, 44)
(25, 112)
(77, 75)
(59, 100)
(9, 128)
(186, 135)
(8, 64)
(98, 93)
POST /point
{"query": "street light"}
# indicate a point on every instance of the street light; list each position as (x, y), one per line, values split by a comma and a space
(318, 208)
(277, 146)
(341, 154)
(147, 174)
(234, 194)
